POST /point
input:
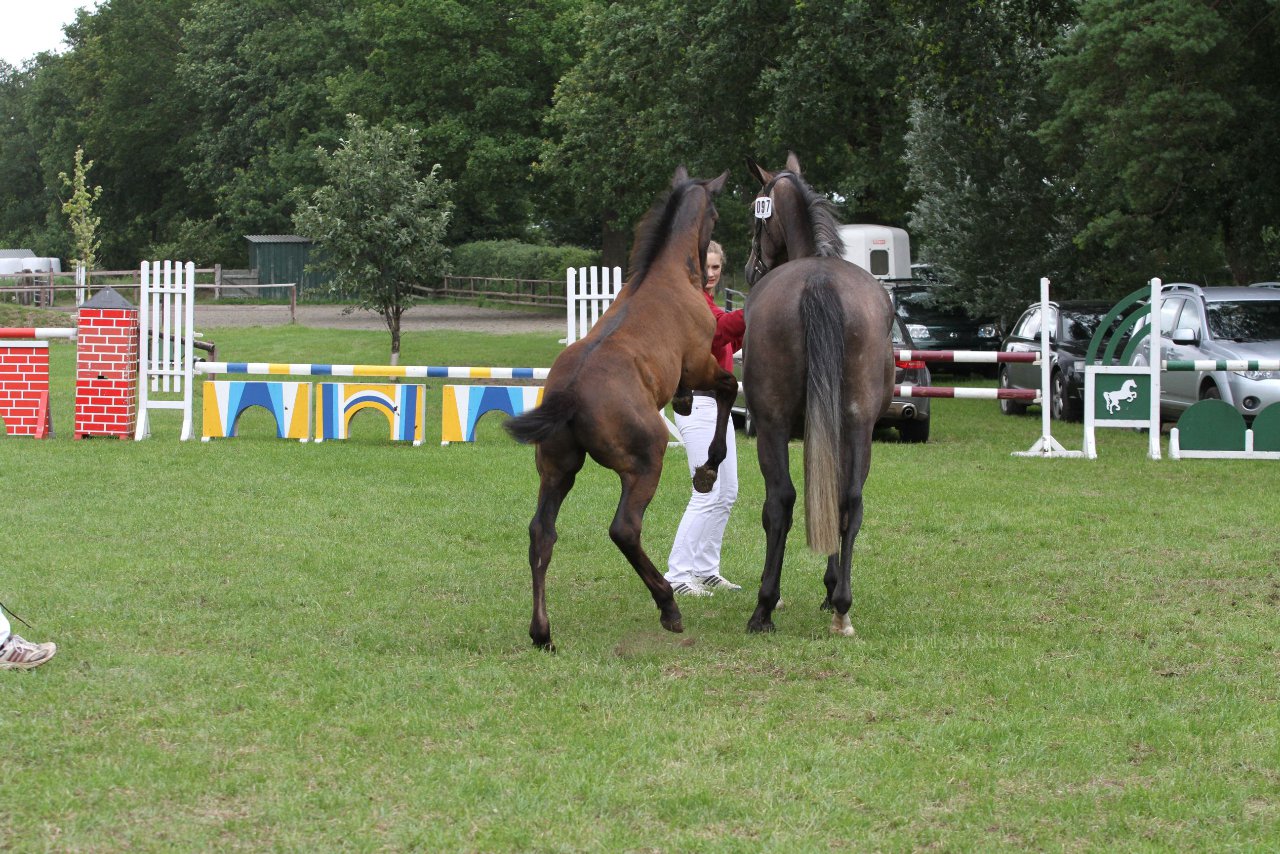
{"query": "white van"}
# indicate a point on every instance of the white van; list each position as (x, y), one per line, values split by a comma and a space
(881, 250)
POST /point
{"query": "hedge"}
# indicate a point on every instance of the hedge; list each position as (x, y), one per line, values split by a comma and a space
(516, 260)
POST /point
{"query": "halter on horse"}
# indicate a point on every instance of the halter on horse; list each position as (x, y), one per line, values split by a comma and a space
(818, 365)
(605, 392)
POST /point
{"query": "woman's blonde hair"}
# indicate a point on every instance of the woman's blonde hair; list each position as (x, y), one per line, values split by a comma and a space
(716, 248)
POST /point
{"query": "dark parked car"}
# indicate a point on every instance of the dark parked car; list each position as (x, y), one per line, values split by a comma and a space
(909, 416)
(1072, 324)
(934, 325)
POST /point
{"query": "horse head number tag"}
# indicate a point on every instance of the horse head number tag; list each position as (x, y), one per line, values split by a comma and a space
(764, 207)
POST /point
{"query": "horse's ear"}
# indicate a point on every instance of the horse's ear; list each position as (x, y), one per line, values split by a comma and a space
(758, 171)
(793, 162)
(682, 175)
(715, 185)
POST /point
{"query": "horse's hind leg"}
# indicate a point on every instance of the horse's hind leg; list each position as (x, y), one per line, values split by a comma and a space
(831, 579)
(779, 502)
(557, 471)
(839, 582)
(840, 595)
(638, 488)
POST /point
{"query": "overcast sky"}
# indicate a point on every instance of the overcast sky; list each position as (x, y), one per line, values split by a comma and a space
(30, 26)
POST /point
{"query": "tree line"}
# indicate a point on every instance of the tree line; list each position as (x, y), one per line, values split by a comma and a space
(1098, 142)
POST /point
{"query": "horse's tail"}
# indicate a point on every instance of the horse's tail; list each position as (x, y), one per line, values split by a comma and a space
(823, 321)
(536, 425)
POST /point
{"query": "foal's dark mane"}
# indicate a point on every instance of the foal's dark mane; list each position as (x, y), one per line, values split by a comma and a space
(822, 219)
(653, 232)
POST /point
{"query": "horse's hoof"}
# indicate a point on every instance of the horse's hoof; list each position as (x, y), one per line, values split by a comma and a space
(673, 625)
(756, 627)
(546, 646)
(826, 605)
(682, 404)
(703, 479)
(841, 626)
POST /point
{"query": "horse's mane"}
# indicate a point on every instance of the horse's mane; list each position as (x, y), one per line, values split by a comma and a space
(653, 231)
(822, 218)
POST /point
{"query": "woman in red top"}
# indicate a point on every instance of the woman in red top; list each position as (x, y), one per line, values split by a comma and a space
(693, 569)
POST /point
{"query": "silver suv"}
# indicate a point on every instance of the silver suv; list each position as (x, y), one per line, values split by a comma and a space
(1218, 323)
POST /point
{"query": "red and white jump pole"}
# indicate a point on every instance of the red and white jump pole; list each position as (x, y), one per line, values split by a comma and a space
(37, 333)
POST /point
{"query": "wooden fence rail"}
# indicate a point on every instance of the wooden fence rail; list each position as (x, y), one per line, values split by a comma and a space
(497, 289)
(38, 289)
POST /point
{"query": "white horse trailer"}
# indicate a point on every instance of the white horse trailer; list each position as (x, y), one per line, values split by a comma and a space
(881, 250)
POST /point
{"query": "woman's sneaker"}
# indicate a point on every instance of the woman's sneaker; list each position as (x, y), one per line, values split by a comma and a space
(689, 588)
(18, 654)
(718, 582)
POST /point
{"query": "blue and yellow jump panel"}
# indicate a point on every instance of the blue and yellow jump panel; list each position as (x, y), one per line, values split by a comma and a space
(306, 369)
(225, 400)
(464, 404)
(405, 407)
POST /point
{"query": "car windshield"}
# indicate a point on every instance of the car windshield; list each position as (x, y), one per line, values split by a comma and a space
(1247, 320)
(922, 306)
(1081, 325)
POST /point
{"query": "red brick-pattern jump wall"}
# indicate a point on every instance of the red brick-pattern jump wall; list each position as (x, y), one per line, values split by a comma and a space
(106, 372)
(24, 388)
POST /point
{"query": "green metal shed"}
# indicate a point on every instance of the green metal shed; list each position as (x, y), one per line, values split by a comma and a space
(281, 259)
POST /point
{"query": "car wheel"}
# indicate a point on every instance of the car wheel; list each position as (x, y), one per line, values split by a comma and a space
(1010, 407)
(914, 432)
(1063, 408)
(1210, 392)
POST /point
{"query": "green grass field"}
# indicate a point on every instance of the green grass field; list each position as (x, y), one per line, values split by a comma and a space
(265, 645)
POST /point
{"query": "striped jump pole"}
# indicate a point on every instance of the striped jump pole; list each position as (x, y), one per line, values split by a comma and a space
(1029, 395)
(1220, 365)
(966, 357)
(37, 333)
(303, 369)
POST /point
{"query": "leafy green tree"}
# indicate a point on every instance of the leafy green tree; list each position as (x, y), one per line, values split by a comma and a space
(25, 198)
(665, 82)
(125, 105)
(476, 78)
(46, 116)
(79, 211)
(1167, 112)
(988, 211)
(659, 83)
(378, 224)
(835, 93)
(258, 74)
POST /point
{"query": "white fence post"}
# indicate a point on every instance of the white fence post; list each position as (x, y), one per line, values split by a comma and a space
(589, 291)
(166, 332)
(1157, 365)
(1046, 446)
(82, 284)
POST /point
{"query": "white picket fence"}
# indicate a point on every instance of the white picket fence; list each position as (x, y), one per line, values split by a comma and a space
(589, 291)
(166, 315)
